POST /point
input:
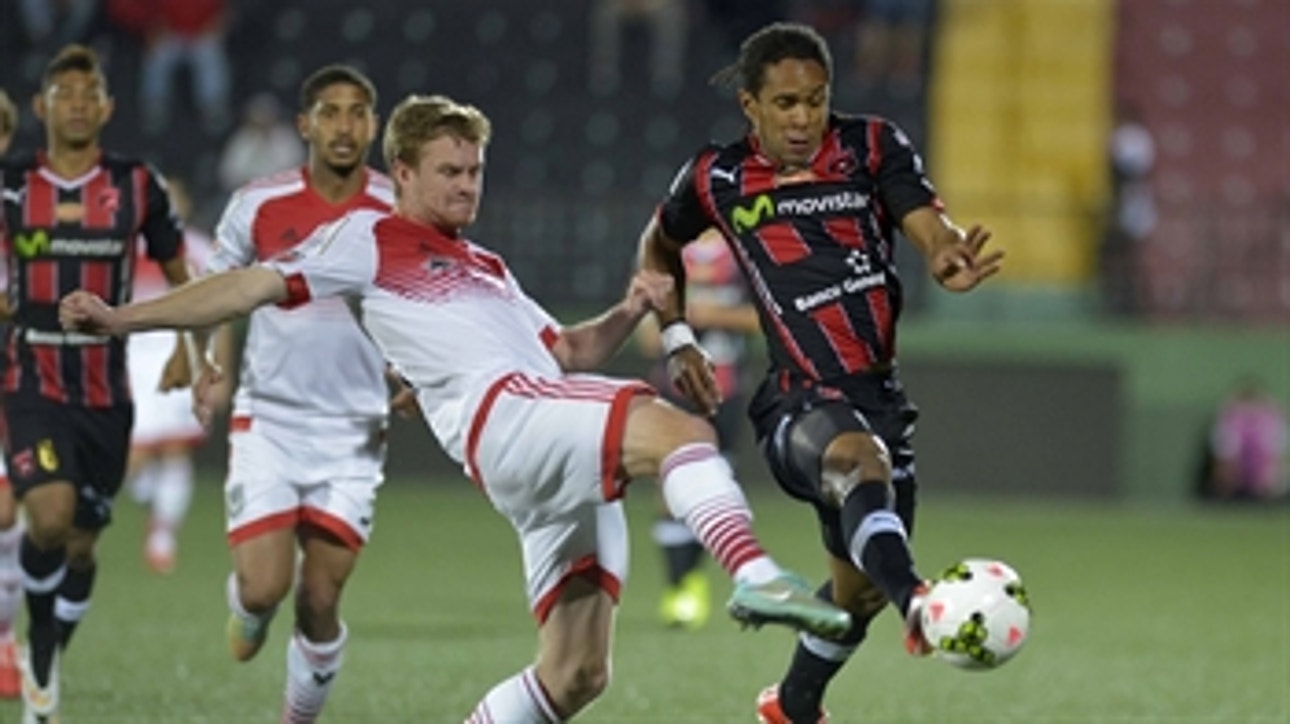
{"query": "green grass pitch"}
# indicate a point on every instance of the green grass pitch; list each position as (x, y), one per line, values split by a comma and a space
(1141, 615)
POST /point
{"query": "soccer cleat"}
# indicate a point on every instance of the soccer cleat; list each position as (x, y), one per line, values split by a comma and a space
(246, 636)
(686, 605)
(39, 703)
(10, 674)
(160, 550)
(769, 711)
(788, 600)
(915, 643)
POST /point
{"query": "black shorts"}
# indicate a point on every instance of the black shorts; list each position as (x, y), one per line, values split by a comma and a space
(882, 408)
(86, 446)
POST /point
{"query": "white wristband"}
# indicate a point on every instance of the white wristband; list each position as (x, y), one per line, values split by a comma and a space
(677, 335)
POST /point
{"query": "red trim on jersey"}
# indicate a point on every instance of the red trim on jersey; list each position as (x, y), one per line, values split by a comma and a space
(297, 291)
(96, 277)
(782, 243)
(42, 282)
(873, 134)
(850, 348)
(96, 385)
(846, 230)
(611, 444)
(49, 368)
(99, 199)
(880, 308)
(12, 374)
(477, 425)
(42, 199)
(337, 527)
(549, 335)
(140, 179)
(260, 526)
(586, 568)
(239, 423)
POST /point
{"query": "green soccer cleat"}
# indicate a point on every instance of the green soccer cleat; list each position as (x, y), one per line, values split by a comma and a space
(787, 599)
(686, 605)
(245, 636)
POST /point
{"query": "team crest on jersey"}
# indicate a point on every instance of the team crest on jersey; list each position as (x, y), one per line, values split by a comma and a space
(46, 455)
(24, 463)
(108, 200)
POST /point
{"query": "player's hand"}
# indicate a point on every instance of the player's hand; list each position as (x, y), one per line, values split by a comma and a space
(82, 311)
(178, 372)
(404, 400)
(961, 266)
(648, 290)
(692, 373)
(210, 393)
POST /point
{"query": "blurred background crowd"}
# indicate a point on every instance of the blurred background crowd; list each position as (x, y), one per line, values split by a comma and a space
(1133, 156)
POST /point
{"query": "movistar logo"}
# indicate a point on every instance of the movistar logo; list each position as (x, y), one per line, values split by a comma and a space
(750, 217)
(31, 245)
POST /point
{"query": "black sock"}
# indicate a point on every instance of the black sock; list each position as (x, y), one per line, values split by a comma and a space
(74, 594)
(801, 692)
(681, 559)
(885, 557)
(44, 568)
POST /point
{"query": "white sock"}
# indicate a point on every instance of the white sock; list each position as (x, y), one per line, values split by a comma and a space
(174, 490)
(144, 483)
(518, 700)
(10, 578)
(311, 668)
(700, 489)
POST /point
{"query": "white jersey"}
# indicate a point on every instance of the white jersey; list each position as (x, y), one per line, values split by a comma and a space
(445, 312)
(314, 360)
(161, 417)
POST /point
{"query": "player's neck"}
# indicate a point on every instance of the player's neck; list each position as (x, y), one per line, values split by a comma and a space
(71, 163)
(335, 187)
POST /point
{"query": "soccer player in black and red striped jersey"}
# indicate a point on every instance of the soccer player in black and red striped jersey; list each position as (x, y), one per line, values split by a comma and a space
(71, 215)
(810, 201)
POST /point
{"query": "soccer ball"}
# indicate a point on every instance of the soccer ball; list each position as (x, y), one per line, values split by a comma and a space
(976, 615)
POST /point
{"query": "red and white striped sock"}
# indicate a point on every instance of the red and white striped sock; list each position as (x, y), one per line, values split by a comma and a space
(311, 668)
(518, 700)
(700, 490)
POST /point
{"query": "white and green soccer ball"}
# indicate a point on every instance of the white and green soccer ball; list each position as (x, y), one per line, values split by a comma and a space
(977, 614)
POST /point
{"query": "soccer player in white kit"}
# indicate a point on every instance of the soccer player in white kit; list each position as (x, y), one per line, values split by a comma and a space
(505, 389)
(166, 432)
(306, 440)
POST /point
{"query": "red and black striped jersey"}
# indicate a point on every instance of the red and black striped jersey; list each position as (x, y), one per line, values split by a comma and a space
(818, 253)
(59, 235)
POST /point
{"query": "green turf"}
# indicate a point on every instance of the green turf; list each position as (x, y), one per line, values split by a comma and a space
(1140, 616)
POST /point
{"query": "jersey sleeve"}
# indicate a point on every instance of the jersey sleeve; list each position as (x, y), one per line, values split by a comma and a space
(234, 247)
(682, 215)
(337, 259)
(902, 181)
(162, 230)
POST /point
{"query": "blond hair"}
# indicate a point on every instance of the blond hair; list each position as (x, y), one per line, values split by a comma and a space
(419, 119)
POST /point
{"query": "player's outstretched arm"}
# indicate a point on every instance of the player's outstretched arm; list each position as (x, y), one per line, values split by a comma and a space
(196, 305)
(589, 345)
(956, 259)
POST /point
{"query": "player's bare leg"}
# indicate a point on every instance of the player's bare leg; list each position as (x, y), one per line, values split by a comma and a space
(315, 651)
(10, 590)
(264, 568)
(572, 668)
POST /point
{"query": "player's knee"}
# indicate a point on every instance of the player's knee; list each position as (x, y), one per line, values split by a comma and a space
(260, 594)
(854, 458)
(584, 681)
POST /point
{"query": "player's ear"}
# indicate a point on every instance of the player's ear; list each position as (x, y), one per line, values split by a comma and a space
(748, 104)
(302, 126)
(38, 104)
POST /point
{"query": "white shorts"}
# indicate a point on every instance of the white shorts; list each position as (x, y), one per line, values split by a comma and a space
(547, 454)
(159, 417)
(320, 473)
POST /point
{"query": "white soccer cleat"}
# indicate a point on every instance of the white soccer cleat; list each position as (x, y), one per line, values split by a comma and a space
(39, 704)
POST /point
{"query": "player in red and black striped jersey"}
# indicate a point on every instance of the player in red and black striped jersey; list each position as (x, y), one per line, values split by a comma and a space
(71, 216)
(810, 201)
